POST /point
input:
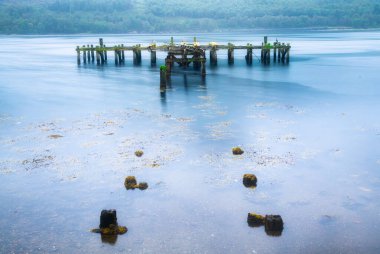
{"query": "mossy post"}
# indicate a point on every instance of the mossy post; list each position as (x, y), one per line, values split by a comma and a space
(78, 55)
(102, 60)
(92, 53)
(163, 77)
(88, 54)
(119, 55)
(230, 54)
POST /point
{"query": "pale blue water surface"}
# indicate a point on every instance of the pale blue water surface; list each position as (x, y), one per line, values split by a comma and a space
(310, 131)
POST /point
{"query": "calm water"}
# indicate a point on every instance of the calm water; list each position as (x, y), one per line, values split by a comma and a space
(310, 131)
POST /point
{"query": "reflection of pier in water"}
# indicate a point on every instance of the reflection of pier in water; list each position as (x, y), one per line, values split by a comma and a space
(184, 54)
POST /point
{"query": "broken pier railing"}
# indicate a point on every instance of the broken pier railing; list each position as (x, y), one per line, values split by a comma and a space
(183, 54)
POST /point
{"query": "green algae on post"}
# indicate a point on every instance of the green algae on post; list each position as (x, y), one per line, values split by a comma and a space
(130, 182)
(255, 220)
(143, 186)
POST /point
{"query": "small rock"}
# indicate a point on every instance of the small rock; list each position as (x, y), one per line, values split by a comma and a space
(139, 153)
(55, 136)
(249, 180)
(255, 220)
(143, 186)
(273, 225)
(130, 182)
(237, 151)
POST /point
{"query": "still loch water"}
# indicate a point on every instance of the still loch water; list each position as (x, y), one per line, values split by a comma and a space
(310, 131)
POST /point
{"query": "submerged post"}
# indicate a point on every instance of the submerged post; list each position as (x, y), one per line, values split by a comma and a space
(78, 55)
(163, 77)
(97, 55)
(116, 57)
(248, 57)
(92, 53)
(230, 54)
(153, 57)
(88, 53)
(213, 56)
(84, 54)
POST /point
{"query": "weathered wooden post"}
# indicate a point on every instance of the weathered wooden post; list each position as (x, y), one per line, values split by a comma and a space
(136, 55)
(279, 52)
(101, 42)
(153, 57)
(97, 55)
(163, 77)
(203, 67)
(78, 55)
(287, 53)
(230, 54)
(84, 54)
(122, 54)
(213, 56)
(92, 53)
(101, 52)
(116, 57)
(105, 53)
(274, 52)
(265, 39)
(248, 57)
(88, 53)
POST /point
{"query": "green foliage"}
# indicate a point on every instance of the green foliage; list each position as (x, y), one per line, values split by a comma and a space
(125, 16)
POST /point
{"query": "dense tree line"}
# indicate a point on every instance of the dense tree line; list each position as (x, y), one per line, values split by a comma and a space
(124, 16)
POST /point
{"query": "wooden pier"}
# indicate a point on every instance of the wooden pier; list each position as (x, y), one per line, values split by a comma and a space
(184, 54)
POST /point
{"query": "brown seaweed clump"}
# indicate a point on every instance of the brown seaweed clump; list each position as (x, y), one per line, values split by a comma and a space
(255, 220)
(237, 151)
(130, 182)
(143, 186)
(139, 153)
(249, 180)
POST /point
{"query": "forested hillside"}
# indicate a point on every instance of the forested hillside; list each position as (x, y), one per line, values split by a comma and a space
(124, 16)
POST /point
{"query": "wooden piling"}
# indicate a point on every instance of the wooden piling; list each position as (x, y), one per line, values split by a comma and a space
(213, 57)
(248, 57)
(101, 42)
(78, 55)
(84, 57)
(88, 54)
(122, 54)
(92, 53)
(230, 53)
(287, 54)
(97, 55)
(116, 57)
(105, 53)
(101, 52)
(163, 77)
(275, 52)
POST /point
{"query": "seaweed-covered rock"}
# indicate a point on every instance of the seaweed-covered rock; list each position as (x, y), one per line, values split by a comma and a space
(143, 186)
(107, 218)
(249, 180)
(255, 220)
(274, 225)
(237, 151)
(130, 182)
(139, 153)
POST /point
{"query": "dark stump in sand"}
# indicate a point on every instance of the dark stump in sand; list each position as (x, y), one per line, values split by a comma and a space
(107, 218)
(143, 186)
(255, 220)
(130, 182)
(274, 225)
(249, 180)
(237, 151)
